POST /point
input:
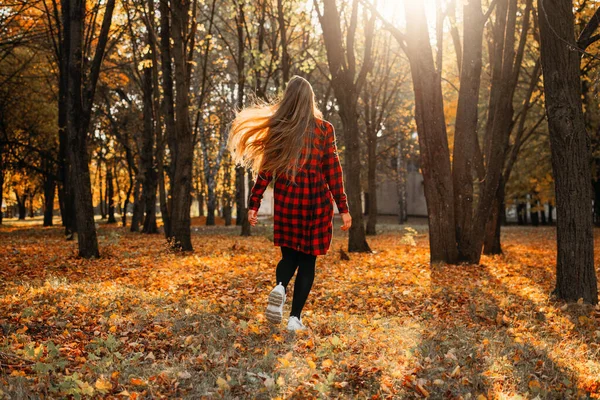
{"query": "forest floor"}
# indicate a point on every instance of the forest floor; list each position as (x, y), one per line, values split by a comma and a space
(145, 322)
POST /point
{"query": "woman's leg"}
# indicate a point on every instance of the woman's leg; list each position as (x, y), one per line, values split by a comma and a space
(287, 266)
(304, 281)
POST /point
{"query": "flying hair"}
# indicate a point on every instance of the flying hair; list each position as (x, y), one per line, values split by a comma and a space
(276, 136)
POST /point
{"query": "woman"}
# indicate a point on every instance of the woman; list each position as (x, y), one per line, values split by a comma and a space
(290, 143)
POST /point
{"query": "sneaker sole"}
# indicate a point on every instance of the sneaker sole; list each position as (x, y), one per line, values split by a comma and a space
(274, 311)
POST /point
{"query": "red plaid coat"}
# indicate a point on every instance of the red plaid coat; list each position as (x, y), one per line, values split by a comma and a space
(303, 212)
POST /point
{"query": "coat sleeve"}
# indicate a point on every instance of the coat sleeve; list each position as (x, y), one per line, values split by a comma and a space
(262, 181)
(333, 170)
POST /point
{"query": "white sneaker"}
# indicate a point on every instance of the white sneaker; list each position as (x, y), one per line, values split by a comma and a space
(295, 324)
(274, 311)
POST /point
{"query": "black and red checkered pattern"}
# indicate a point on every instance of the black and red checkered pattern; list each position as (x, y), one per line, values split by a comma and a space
(303, 209)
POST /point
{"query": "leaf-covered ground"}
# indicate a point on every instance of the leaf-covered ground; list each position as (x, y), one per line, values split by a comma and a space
(143, 322)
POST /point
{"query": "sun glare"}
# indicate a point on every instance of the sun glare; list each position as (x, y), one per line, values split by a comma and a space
(393, 10)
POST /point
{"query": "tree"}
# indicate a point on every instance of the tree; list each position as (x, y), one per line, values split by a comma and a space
(80, 97)
(433, 139)
(347, 85)
(570, 147)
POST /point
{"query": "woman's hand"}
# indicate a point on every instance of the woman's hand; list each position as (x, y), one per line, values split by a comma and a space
(252, 217)
(347, 220)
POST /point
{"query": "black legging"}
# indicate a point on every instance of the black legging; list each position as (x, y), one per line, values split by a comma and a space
(290, 260)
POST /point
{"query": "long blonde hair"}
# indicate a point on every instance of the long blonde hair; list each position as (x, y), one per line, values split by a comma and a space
(276, 137)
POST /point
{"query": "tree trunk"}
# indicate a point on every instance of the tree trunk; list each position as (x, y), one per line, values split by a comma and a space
(49, 191)
(80, 98)
(211, 205)
(597, 202)
(110, 195)
(102, 197)
(240, 176)
(31, 198)
(285, 58)
(543, 215)
(147, 171)
(169, 115)
(492, 244)
(138, 208)
(570, 148)
(246, 227)
(181, 186)
(77, 138)
(200, 200)
(535, 214)
(433, 140)
(465, 136)
(67, 212)
(522, 213)
(401, 170)
(227, 214)
(372, 180)
(347, 84)
(21, 206)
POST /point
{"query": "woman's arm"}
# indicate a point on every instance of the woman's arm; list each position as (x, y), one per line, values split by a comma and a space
(333, 171)
(262, 181)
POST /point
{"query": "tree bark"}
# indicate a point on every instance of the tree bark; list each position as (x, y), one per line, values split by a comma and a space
(240, 176)
(21, 205)
(68, 197)
(168, 113)
(285, 58)
(181, 185)
(465, 136)
(401, 170)
(102, 204)
(147, 170)
(433, 140)
(371, 166)
(211, 205)
(110, 195)
(138, 209)
(31, 198)
(77, 125)
(49, 191)
(543, 219)
(200, 200)
(570, 148)
(492, 243)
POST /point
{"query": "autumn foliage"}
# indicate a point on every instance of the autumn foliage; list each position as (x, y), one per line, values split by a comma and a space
(144, 322)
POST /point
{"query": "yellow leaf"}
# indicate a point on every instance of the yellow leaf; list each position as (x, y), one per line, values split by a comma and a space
(456, 371)
(327, 363)
(103, 385)
(284, 362)
(311, 364)
(335, 340)
(222, 383)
